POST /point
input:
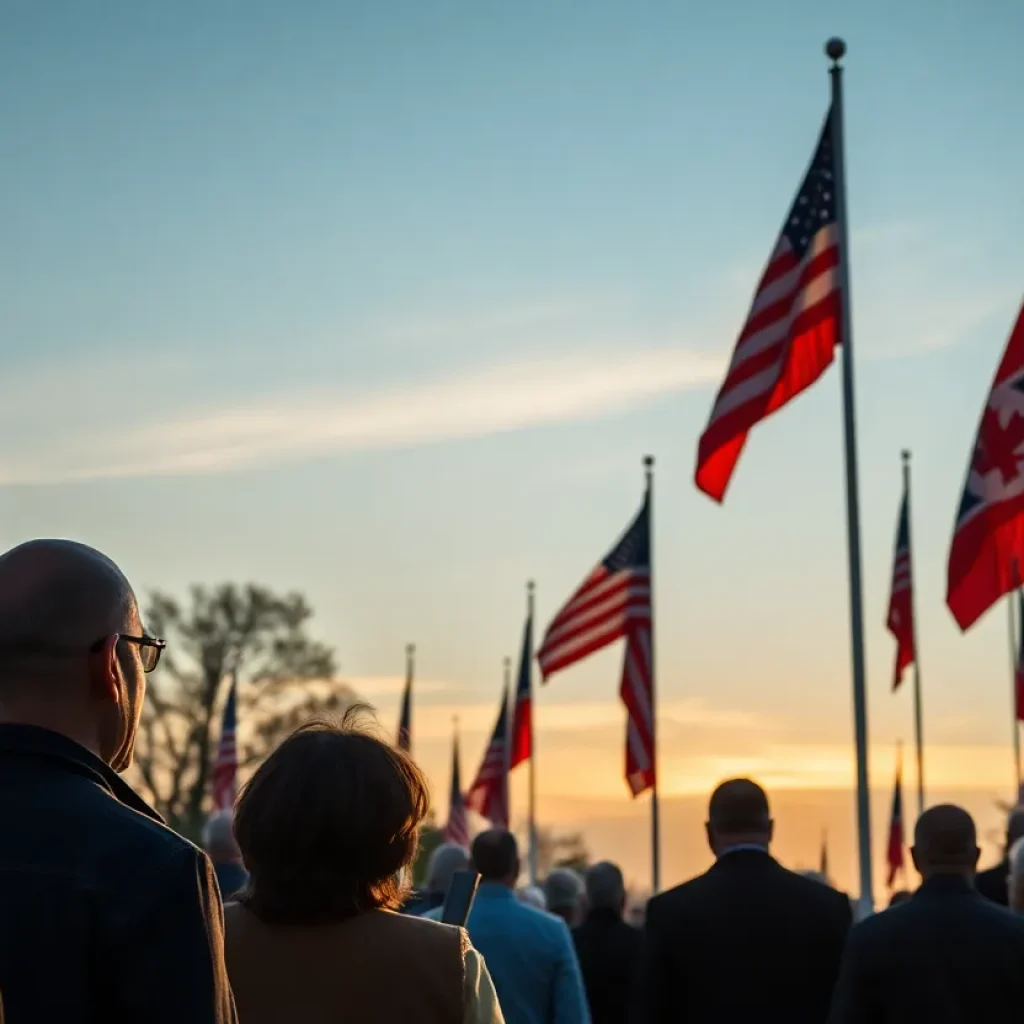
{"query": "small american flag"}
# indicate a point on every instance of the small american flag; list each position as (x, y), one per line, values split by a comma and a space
(615, 601)
(900, 620)
(488, 795)
(522, 712)
(405, 721)
(224, 777)
(457, 828)
(894, 850)
(791, 330)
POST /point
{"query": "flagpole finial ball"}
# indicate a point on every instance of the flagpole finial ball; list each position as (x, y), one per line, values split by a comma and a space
(905, 454)
(835, 49)
(648, 461)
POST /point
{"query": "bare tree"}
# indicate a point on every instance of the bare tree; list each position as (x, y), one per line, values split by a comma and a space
(246, 634)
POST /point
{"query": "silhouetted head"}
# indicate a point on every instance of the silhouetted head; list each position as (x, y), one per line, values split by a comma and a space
(738, 815)
(1014, 826)
(945, 842)
(563, 893)
(72, 650)
(329, 823)
(495, 857)
(444, 862)
(606, 888)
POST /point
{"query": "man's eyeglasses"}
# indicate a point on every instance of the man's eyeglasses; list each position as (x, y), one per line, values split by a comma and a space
(150, 648)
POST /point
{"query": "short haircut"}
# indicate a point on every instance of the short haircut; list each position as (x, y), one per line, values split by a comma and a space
(328, 823)
(495, 855)
(606, 888)
(739, 807)
(442, 865)
(563, 889)
(945, 837)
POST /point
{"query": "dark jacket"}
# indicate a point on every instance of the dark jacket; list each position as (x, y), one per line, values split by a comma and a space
(106, 915)
(947, 956)
(607, 948)
(993, 884)
(747, 941)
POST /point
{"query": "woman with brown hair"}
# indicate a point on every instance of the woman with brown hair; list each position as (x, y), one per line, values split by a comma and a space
(327, 827)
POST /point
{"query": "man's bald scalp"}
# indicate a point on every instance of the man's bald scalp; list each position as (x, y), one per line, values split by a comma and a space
(60, 594)
(945, 837)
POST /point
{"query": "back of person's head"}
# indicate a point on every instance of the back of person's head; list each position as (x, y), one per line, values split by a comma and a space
(495, 856)
(1015, 882)
(1014, 826)
(738, 815)
(219, 838)
(329, 823)
(72, 650)
(532, 896)
(900, 896)
(563, 891)
(605, 887)
(442, 865)
(945, 842)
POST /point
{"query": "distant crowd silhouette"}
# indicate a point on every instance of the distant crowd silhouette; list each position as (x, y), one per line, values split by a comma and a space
(298, 912)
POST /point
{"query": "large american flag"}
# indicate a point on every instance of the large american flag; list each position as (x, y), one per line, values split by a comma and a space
(900, 620)
(488, 795)
(457, 828)
(224, 776)
(791, 330)
(615, 601)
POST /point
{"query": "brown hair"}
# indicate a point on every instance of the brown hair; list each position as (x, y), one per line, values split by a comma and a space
(327, 824)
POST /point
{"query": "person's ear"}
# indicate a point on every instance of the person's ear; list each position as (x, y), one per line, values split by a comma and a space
(771, 829)
(916, 860)
(104, 671)
(977, 856)
(709, 832)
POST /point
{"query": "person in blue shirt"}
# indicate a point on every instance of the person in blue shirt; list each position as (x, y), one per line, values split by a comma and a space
(529, 953)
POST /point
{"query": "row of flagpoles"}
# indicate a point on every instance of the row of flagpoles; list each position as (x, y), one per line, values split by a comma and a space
(800, 312)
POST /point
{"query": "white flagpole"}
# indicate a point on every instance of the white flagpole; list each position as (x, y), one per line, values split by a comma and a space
(835, 49)
(655, 818)
(528, 667)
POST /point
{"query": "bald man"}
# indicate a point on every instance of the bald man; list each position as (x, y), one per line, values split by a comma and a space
(746, 941)
(947, 954)
(993, 882)
(105, 913)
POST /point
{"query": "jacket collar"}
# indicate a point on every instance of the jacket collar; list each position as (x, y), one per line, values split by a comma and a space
(67, 755)
(494, 891)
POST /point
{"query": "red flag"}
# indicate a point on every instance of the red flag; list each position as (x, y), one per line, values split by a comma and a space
(522, 713)
(988, 538)
(894, 852)
(792, 327)
(901, 602)
(615, 601)
(488, 795)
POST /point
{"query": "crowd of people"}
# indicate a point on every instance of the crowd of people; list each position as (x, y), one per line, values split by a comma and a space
(298, 911)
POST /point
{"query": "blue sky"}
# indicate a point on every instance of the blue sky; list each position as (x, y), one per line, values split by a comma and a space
(385, 302)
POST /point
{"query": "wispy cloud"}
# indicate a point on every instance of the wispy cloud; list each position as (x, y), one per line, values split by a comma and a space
(471, 404)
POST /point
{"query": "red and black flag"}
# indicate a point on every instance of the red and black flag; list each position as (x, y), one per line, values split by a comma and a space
(405, 721)
(894, 849)
(792, 328)
(488, 795)
(901, 601)
(615, 601)
(522, 711)
(988, 538)
(457, 828)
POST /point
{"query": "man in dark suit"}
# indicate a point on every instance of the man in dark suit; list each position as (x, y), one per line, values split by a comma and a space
(748, 940)
(946, 956)
(607, 947)
(993, 882)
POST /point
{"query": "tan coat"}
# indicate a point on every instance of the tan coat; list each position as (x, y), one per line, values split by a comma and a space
(377, 967)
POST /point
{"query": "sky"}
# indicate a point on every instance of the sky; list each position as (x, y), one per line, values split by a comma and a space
(385, 302)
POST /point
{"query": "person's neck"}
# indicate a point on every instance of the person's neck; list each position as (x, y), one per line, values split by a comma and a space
(954, 875)
(730, 844)
(74, 727)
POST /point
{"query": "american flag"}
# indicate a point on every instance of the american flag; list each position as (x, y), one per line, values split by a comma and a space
(522, 712)
(405, 722)
(791, 330)
(900, 620)
(457, 828)
(894, 851)
(488, 795)
(615, 601)
(224, 777)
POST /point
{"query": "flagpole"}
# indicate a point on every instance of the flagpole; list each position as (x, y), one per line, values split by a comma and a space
(532, 780)
(1014, 607)
(655, 818)
(509, 705)
(835, 50)
(918, 728)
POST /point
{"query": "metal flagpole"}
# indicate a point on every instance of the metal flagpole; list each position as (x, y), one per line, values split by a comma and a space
(532, 780)
(835, 49)
(655, 820)
(1014, 607)
(918, 729)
